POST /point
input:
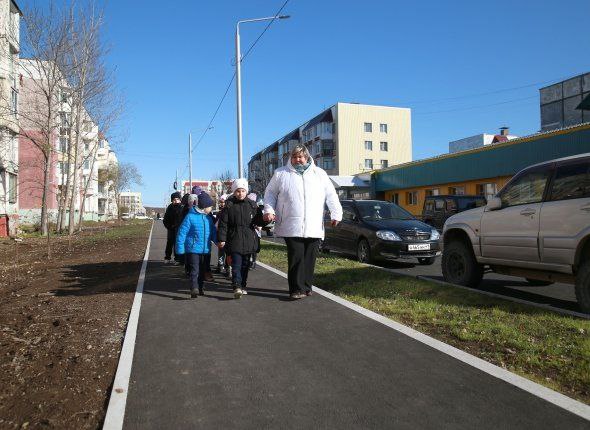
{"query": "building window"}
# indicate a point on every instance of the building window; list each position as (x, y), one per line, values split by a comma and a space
(12, 180)
(487, 190)
(368, 163)
(457, 191)
(395, 198)
(383, 146)
(412, 198)
(383, 128)
(86, 164)
(432, 192)
(368, 127)
(384, 164)
(328, 164)
(368, 145)
(101, 187)
(86, 146)
(101, 144)
(63, 144)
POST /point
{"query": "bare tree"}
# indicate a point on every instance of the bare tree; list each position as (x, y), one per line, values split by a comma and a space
(123, 176)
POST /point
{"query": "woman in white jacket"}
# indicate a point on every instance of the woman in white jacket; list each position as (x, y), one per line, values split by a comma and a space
(295, 199)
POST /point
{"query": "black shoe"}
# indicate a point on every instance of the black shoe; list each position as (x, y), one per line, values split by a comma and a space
(193, 293)
(201, 292)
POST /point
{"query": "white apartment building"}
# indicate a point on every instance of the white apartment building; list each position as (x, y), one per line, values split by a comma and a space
(345, 139)
(9, 124)
(130, 202)
(106, 162)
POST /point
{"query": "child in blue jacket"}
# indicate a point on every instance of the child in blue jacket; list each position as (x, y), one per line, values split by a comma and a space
(194, 238)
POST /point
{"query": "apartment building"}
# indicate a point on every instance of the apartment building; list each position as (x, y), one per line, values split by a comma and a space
(345, 139)
(73, 174)
(130, 203)
(9, 123)
(106, 161)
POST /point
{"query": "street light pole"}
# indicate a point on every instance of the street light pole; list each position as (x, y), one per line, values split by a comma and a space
(239, 84)
(190, 161)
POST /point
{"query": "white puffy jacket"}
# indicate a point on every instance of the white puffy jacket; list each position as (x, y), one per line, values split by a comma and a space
(298, 201)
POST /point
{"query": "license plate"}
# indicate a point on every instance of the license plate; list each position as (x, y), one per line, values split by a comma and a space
(419, 247)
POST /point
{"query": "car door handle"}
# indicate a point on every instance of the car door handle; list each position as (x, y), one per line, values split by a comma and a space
(528, 212)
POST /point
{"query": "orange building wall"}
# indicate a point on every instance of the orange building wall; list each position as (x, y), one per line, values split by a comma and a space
(470, 189)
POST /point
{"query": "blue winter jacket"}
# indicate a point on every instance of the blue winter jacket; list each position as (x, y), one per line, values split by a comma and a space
(196, 233)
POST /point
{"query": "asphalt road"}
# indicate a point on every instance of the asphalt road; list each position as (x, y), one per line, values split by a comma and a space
(266, 362)
(558, 295)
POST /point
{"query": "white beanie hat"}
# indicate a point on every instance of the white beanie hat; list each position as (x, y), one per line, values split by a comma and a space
(192, 199)
(239, 183)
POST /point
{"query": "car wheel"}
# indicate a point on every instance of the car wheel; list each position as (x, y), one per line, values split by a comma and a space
(459, 265)
(426, 261)
(363, 251)
(538, 282)
(583, 286)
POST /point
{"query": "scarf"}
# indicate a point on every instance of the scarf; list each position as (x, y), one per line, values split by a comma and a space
(301, 168)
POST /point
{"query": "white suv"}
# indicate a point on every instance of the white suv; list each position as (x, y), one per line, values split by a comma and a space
(537, 227)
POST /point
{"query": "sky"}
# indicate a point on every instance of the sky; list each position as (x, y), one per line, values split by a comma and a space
(463, 67)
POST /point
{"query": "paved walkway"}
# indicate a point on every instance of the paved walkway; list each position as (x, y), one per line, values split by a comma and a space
(266, 362)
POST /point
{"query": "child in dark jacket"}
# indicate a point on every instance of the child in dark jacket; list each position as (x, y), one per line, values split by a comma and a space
(237, 235)
(194, 238)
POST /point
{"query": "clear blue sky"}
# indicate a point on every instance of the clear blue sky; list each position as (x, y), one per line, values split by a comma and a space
(174, 61)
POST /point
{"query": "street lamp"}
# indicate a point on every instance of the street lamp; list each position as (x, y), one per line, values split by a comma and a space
(239, 82)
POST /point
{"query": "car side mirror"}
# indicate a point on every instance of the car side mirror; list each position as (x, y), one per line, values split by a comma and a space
(494, 203)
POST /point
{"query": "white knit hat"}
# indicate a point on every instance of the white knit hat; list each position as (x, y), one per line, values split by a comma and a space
(192, 199)
(239, 183)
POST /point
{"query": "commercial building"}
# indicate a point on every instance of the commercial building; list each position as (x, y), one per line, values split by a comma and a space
(9, 123)
(345, 139)
(481, 171)
(560, 103)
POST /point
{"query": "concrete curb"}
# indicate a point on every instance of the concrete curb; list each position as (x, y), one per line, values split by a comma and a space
(118, 398)
(578, 408)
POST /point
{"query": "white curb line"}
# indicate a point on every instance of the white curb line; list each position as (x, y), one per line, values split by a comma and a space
(118, 400)
(558, 399)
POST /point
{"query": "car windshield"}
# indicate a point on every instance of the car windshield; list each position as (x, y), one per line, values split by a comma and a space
(382, 210)
(466, 203)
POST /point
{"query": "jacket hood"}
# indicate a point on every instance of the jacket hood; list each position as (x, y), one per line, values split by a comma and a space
(290, 166)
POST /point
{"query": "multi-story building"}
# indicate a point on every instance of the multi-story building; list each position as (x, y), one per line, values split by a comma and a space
(130, 202)
(214, 188)
(9, 122)
(345, 139)
(560, 103)
(72, 173)
(106, 161)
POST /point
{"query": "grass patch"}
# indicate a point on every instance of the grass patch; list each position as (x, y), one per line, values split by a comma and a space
(546, 347)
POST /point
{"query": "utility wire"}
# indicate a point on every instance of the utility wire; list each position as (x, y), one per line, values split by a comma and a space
(243, 57)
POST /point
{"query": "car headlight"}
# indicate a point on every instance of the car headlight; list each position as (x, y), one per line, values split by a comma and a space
(388, 235)
(434, 235)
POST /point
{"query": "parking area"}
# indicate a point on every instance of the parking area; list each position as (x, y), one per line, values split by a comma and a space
(558, 295)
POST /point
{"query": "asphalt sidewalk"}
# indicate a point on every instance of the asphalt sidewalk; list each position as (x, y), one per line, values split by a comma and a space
(266, 362)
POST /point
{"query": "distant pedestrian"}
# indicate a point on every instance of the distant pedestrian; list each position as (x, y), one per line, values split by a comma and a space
(295, 198)
(237, 235)
(172, 220)
(195, 235)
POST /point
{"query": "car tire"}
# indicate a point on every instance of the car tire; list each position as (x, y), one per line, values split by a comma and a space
(363, 251)
(538, 282)
(583, 286)
(426, 261)
(459, 265)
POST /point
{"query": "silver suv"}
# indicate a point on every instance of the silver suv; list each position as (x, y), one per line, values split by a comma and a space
(537, 227)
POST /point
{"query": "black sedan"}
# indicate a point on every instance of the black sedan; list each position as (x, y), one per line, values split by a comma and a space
(377, 230)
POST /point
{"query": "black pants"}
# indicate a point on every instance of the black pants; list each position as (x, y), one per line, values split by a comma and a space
(240, 265)
(301, 256)
(196, 267)
(170, 241)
